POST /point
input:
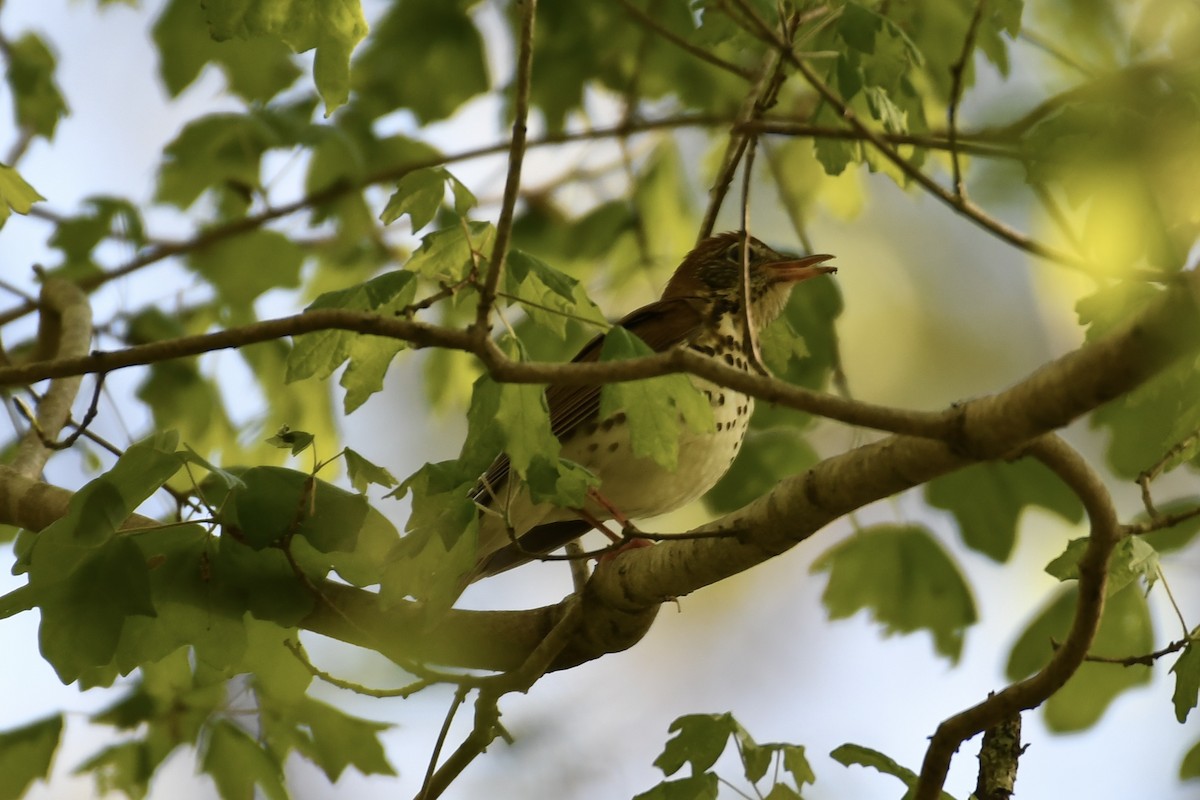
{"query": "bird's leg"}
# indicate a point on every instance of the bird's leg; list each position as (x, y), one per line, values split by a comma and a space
(629, 540)
(617, 515)
(591, 519)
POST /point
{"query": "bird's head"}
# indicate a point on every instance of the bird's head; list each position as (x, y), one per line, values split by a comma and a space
(713, 272)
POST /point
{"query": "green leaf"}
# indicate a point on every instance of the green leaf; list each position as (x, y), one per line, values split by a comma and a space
(26, 754)
(86, 579)
(197, 604)
(987, 500)
(767, 456)
(231, 481)
(1179, 535)
(415, 41)
(655, 409)
(449, 254)
(523, 419)
(440, 547)
(262, 582)
(125, 767)
(905, 579)
(418, 194)
(339, 740)
(363, 472)
(39, 104)
(332, 27)
(295, 441)
(318, 354)
(858, 27)
(237, 764)
(1189, 768)
(106, 216)
(15, 194)
(182, 398)
(1132, 558)
(851, 754)
(223, 151)
(561, 482)
(241, 268)
(256, 70)
(1187, 681)
(551, 298)
(695, 787)
(1125, 630)
(700, 740)
(276, 503)
(365, 564)
(796, 762)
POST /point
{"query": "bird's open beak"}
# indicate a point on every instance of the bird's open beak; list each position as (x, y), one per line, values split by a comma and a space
(794, 270)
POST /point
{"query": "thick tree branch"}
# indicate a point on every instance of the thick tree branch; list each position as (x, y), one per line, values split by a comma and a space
(620, 601)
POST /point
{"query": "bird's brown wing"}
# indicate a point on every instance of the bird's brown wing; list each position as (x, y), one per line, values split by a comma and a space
(661, 325)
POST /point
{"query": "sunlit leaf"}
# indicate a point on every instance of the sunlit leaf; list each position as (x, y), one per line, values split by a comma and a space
(15, 194)
(655, 409)
(332, 27)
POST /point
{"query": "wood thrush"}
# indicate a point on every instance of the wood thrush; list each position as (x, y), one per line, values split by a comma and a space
(700, 309)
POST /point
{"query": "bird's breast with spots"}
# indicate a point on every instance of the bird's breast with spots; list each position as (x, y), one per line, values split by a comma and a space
(639, 486)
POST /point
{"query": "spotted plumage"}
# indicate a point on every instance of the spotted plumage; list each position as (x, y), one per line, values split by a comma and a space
(699, 310)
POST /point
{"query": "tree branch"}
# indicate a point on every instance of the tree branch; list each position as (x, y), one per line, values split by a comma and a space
(621, 599)
(512, 184)
(64, 331)
(1093, 577)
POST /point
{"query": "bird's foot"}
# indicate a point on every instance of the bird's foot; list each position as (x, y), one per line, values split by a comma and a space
(627, 544)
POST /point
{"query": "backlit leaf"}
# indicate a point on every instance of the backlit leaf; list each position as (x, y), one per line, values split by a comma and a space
(905, 579)
(1186, 670)
(237, 764)
(987, 500)
(26, 754)
(1125, 630)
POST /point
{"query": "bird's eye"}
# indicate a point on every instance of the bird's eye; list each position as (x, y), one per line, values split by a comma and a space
(734, 253)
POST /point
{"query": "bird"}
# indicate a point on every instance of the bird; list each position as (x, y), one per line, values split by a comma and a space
(700, 309)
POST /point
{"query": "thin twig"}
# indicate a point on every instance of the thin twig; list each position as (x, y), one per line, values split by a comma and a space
(79, 428)
(487, 714)
(516, 156)
(297, 650)
(957, 69)
(749, 335)
(460, 696)
(642, 18)
(1146, 660)
(1146, 476)
(760, 98)
(963, 206)
(422, 334)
